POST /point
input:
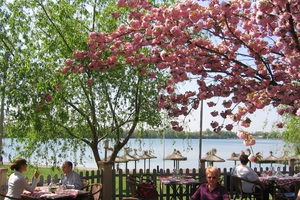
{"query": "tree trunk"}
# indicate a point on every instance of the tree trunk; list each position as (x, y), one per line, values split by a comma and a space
(3, 96)
(96, 154)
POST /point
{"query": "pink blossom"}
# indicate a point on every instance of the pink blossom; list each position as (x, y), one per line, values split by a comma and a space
(214, 113)
(76, 69)
(210, 104)
(217, 130)
(223, 114)
(174, 123)
(298, 112)
(170, 89)
(79, 54)
(143, 71)
(69, 62)
(242, 134)
(279, 124)
(249, 142)
(251, 158)
(116, 15)
(176, 31)
(152, 75)
(135, 24)
(195, 16)
(246, 123)
(122, 3)
(48, 97)
(229, 127)
(227, 104)
(178, 128)
(214, 124)
(65, 69)
(82, 69)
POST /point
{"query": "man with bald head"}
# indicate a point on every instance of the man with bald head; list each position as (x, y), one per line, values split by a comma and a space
(70, 178)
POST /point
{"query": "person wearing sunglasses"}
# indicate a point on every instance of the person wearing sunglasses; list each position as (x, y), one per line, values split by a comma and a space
(212, 190)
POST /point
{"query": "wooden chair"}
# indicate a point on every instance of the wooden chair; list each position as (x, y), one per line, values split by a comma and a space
(240, 194)
(95, 191)
(85, 184)
(142, 187)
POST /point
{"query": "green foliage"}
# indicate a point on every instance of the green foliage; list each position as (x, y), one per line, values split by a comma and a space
(45, 105)
(292, 129)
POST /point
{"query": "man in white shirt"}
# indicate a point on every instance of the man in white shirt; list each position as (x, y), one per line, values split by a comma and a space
(70, 178)
(247, 173)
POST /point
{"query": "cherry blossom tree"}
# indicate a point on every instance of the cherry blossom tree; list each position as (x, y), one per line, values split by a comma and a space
(242, 52)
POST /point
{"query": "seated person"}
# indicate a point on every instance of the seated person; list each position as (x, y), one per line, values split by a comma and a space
(245, 172)
(69, 178)
(17, 182)
(211, 190)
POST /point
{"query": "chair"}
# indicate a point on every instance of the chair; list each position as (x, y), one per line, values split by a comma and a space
(237, 183)
(282, 193)
(142, 187)
(95, 191)
(85, 184)
(4, 196)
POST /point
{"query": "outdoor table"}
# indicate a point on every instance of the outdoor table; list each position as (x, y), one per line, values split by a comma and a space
(181, 186)
(285, 181)
(43, 193)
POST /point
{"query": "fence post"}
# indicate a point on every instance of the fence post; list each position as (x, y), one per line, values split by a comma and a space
(3, 175)
(107, 180)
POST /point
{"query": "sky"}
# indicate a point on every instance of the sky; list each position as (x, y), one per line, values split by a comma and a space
(262, 120)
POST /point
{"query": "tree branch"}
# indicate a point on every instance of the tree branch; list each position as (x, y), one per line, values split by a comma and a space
(57, 29)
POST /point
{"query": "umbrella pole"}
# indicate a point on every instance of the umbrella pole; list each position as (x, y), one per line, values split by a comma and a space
(174, 164)
(200, 133)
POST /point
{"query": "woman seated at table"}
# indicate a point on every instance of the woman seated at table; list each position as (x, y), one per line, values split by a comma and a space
(211, 190)
(17, 182)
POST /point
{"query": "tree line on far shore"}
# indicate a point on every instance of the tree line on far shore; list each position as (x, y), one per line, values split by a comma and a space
(207, 134)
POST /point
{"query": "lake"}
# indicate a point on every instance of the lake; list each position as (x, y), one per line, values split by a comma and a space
(189, 148)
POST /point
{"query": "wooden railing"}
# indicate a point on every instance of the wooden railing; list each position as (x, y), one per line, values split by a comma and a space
(121, 189)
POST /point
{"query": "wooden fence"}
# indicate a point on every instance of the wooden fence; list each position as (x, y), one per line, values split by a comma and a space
(121, 189)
